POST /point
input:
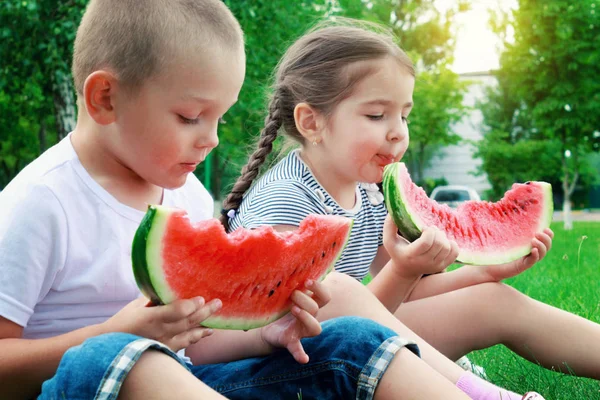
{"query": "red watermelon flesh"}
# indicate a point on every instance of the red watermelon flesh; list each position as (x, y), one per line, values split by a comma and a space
(253, 272)
(486, 233)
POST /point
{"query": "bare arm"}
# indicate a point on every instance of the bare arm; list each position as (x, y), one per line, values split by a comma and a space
(387, 285)
(469, 275)
(25, 363)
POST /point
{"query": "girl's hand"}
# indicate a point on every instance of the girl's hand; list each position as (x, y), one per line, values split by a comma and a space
(429, 254)
(541, 244)
(177, 325)
(300, 323)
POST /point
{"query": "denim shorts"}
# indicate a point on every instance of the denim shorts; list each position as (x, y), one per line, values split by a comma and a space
(347, 361)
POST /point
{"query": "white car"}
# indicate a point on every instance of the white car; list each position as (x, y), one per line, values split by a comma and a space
(453, 195)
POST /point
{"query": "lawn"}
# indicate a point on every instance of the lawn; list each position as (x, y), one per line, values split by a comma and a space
(568, 278)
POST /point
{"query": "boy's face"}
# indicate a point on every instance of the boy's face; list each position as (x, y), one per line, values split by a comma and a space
(169, 126)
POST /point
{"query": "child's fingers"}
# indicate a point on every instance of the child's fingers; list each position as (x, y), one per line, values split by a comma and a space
(188, 338)
(423, 244)
(545, 239)
(321, 293)
(304, 302)
(180, 309)
(549, 232)
(453, 252)
(204, 312)
(444, 247)
(297, 351)
(311, 327)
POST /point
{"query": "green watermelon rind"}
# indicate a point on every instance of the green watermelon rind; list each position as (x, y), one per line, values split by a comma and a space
(410, 225)
(149, 276)
(146, 257)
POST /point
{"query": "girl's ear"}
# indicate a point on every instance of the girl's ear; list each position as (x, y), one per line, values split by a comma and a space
(309, 122)
(98, 92)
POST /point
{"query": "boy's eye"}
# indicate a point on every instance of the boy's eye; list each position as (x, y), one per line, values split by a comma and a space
(405, 119)
(375, 117)
(188, 120)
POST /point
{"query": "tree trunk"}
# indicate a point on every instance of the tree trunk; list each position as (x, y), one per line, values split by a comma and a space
(42, 137)
(64, 104)
(568, 189)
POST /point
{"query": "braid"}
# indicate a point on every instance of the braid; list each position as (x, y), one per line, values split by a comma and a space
(250, 171)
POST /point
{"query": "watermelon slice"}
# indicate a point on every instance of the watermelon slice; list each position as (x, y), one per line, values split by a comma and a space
(253, 272)
(486, 233)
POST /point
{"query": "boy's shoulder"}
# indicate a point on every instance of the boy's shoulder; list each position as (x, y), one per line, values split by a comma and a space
(44, 173)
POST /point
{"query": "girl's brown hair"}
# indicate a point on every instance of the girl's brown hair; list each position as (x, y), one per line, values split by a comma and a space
(318, 69)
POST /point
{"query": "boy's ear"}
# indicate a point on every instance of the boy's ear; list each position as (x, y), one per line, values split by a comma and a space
(98, 91)
(309, 122)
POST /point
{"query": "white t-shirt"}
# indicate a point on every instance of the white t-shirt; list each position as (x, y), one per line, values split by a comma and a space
(65, 244)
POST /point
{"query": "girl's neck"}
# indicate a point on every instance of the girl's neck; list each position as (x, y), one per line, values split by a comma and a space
(342, 190)
(114, 177)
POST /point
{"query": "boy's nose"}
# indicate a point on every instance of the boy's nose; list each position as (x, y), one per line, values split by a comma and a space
(208, 139)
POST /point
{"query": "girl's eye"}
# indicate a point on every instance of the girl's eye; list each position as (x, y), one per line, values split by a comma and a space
(188, 120)
(405, 119)
(375, 117)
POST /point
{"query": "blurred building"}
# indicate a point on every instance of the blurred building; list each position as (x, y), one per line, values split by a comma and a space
(456, 163)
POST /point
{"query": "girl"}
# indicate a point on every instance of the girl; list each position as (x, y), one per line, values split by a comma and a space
(344, 94)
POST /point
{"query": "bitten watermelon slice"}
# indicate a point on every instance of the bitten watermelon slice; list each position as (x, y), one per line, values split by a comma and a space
(253, 272)
(486, 233)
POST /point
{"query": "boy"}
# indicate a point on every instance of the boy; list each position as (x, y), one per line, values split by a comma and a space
(152, 79)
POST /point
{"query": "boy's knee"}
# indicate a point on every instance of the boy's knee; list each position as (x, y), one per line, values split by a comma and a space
(349, 334)
(83, 367)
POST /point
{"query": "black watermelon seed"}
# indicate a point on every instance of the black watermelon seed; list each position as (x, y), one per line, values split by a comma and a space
(278, 283)
(333, 245)
(528, 183)
(271, 292)
(323, 255)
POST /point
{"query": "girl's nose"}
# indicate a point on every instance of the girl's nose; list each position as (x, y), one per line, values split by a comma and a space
(397, 132)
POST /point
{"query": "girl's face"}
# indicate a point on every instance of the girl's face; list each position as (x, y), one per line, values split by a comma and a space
(369, 129)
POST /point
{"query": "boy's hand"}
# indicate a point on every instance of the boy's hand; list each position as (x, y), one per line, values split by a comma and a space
(541, 244)
(300, 323)
(177, 325)
(429, 254)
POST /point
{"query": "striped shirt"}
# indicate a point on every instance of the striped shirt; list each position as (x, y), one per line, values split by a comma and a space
(289, 192)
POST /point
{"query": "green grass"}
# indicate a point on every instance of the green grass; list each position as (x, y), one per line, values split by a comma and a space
(568, 278)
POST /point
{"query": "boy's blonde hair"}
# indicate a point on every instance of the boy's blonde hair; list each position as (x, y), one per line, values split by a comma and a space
(135, 39)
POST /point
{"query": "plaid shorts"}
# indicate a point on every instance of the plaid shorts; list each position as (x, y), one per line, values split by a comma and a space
(347, 361)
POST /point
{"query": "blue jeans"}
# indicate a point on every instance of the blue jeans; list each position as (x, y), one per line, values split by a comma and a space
(346, 361)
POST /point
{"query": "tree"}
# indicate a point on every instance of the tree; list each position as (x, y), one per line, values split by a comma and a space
(37, 101)
(551, 72)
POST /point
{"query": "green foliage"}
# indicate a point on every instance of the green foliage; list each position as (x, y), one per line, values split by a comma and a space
(36, 47)
(548, 96)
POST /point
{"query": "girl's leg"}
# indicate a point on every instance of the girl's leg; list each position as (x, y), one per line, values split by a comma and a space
(409, 377)
(350, 297)
(158, 376)
(483, 315)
